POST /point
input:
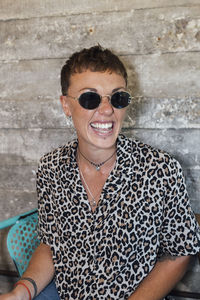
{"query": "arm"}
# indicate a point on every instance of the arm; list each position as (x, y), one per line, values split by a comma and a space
(160, 281)
(40, 269)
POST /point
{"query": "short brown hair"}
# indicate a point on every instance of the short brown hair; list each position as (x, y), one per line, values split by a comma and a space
(95, 59)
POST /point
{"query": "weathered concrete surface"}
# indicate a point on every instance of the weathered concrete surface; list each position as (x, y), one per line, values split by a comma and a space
(30, 144)
(27, 80)
(183, 145)
(35, 113)
(159, 76)
(32, 8)
(25, 146)
(165, 75)
(18, 164)
(160, 30)
(17, 199)
(164, 113)
(143, 113)
(159, 42)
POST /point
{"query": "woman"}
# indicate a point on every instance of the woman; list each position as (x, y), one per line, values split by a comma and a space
(114, 216)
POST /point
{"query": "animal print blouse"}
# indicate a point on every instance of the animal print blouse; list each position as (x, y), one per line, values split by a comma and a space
(143, 213)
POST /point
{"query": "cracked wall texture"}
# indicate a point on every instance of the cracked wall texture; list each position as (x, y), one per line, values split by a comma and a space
(158, 41)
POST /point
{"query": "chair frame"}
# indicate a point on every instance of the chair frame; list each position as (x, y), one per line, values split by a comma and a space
(9, 223)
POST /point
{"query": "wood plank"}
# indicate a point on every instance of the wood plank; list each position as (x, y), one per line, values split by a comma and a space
(156, 76)
(164, 113)
(22, 147)
(21, 153)
(30, 79)
(26, 146)
(18, 195)
(192, 179)
(16, 201)
(143, 113)
(19, 178)
(21, 9)
(165, 75)
(161, 30)
(44, 113)
(183, 144)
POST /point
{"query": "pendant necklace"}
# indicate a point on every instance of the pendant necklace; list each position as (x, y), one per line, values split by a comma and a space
(92, 202)
(97, 166)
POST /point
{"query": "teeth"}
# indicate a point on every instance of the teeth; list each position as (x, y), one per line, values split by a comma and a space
(102, 125)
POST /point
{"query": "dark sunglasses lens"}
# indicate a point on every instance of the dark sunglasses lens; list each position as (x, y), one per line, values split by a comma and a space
(120, 99)
(89, 100)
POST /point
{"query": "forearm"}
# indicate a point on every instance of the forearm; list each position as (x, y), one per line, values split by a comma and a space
(40, 269)
(161, 279)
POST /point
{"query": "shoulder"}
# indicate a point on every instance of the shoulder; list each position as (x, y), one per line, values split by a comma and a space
(62, 154)
(147, 155)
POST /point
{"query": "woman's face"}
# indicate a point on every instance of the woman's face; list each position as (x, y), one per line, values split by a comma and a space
(96, 128)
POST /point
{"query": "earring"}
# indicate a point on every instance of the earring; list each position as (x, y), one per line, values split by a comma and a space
(69, 121)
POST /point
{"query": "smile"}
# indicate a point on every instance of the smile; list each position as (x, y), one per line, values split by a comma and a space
(102, 126)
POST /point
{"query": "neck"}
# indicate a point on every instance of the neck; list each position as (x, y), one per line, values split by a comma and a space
(95, 153)
(98, 162)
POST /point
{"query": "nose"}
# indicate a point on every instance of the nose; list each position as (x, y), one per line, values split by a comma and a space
(105, 106)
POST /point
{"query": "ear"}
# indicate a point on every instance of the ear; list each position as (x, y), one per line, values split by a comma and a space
(65, 105)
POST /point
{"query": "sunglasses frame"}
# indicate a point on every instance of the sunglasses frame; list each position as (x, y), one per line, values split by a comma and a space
(102, 96)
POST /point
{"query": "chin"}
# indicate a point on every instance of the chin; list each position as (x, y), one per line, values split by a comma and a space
(105, 141)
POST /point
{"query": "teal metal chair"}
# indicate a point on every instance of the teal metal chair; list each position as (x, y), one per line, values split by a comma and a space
(22, 238)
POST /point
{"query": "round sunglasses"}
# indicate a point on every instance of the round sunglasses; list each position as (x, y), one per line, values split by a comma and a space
(91, 100)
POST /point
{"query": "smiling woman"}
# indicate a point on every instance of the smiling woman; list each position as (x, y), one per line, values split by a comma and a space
(115, 221)
(97, 129)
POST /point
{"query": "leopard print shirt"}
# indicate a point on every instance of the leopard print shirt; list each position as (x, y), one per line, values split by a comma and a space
(143, 213)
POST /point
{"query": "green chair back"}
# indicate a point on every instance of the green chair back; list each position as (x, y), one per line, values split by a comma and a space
(22, 240)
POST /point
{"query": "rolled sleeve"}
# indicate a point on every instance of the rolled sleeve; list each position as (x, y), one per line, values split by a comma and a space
(180, 234)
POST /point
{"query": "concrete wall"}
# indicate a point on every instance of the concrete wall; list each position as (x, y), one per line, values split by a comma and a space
(159, 42)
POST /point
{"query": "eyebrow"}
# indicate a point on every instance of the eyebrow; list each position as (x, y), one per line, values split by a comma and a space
(95, 90)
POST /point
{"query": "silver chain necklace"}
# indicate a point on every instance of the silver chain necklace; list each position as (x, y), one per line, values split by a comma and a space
(93, 201)
(97, 166)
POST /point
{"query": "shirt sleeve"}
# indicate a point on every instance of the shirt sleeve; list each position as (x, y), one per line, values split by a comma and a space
(45, 211)
(180, 232)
